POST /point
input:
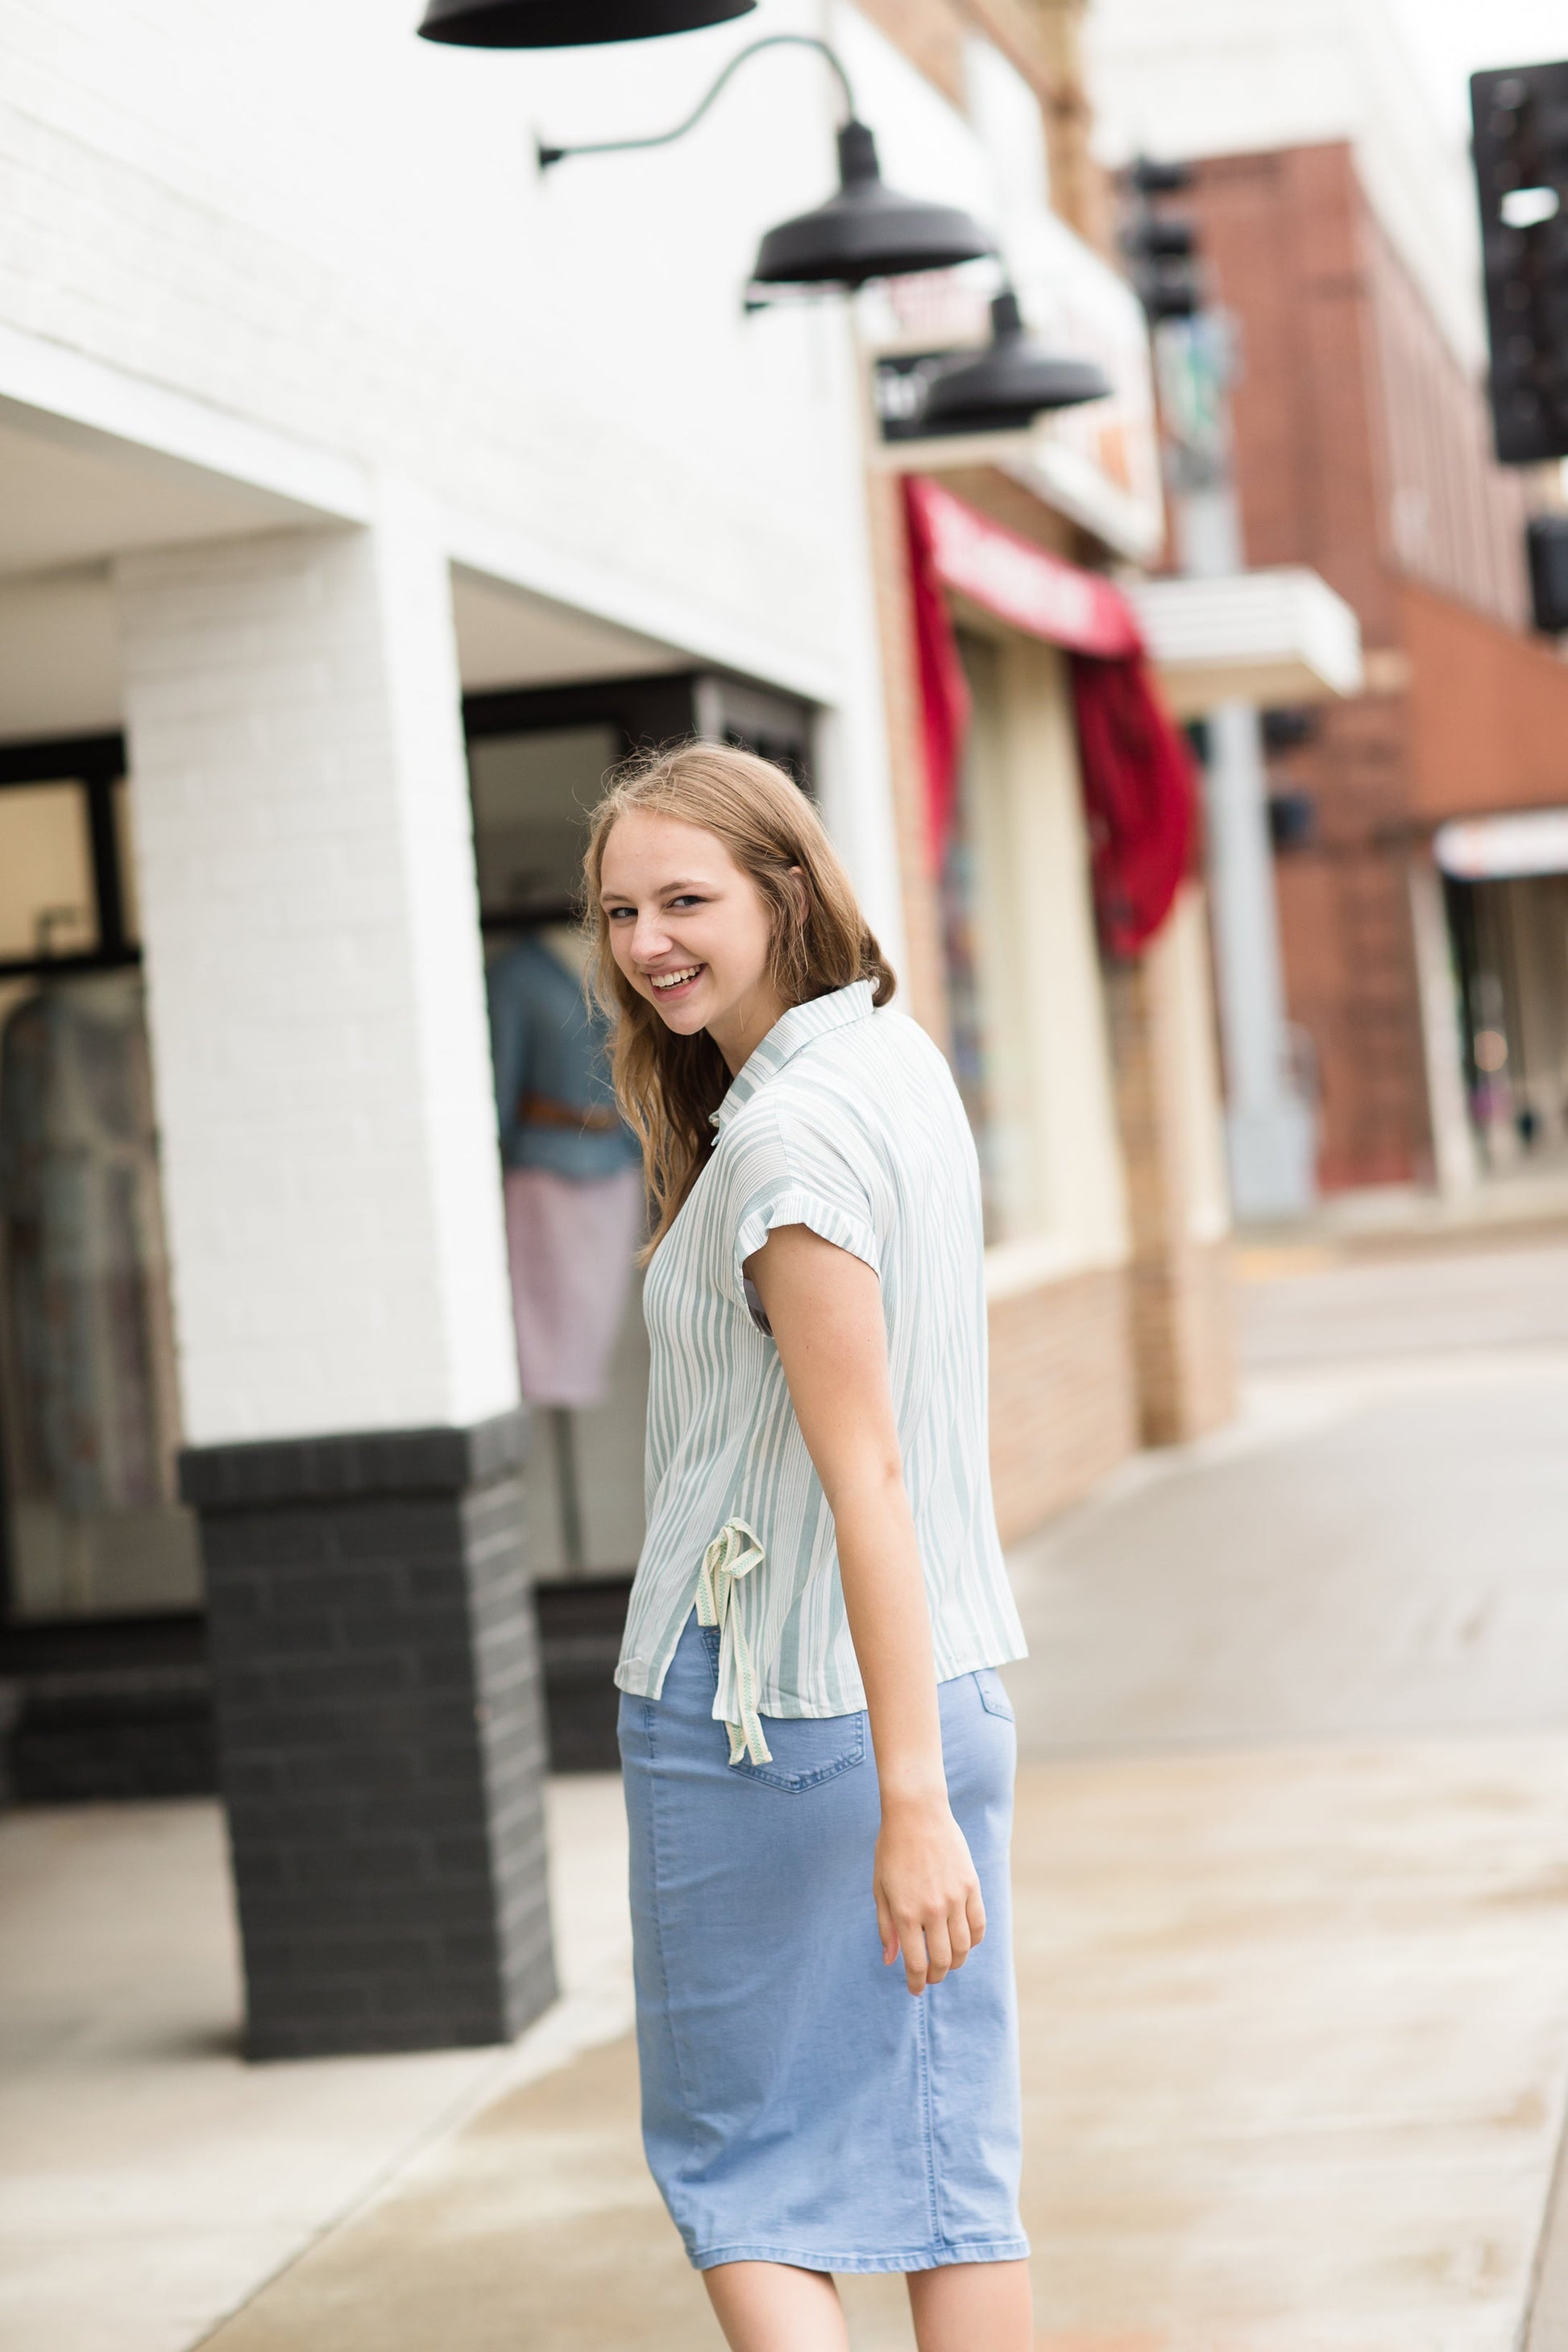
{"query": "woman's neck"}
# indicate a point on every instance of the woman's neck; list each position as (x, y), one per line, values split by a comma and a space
(742, 1028)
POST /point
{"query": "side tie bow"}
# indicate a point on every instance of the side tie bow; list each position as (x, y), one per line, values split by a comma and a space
(734, 1551)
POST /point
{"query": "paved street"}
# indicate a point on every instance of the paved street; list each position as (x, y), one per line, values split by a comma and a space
(1292, 1868)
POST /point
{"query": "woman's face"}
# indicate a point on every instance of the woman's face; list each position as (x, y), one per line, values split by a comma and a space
(690, 930)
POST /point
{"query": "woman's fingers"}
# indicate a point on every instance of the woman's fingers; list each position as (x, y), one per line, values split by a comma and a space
(932, 1947)
(886, 1929)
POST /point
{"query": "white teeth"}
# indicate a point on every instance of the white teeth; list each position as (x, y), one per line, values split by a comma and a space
(674, 979)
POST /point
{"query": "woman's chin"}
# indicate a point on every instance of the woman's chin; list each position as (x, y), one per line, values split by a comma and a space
(685, 1016)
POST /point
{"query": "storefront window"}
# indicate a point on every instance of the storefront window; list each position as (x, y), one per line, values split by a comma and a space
(975, 943)
(1025, 1010)
(89, 1411)
(961, 897)
(47, 899)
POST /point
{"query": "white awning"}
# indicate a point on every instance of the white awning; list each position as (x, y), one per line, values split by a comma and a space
(1502, 848)
(1269, 638)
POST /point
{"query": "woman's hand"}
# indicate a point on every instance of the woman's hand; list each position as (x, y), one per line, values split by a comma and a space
(928, 1896)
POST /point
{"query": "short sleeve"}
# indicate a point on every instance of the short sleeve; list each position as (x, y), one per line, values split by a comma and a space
(793, 1173)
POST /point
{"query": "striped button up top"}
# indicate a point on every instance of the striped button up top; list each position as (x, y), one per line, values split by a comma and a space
(845, 1120)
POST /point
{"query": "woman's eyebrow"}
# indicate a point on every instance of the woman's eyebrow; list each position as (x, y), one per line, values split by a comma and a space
(681, 883)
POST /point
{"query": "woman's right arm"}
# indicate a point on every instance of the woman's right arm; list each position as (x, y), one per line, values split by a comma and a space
(825, 1308)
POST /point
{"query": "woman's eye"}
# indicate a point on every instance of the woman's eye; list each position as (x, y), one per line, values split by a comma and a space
(686, 898)
(620, 914)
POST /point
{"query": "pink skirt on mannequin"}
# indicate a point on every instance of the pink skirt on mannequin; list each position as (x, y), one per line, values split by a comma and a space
(571, 1245)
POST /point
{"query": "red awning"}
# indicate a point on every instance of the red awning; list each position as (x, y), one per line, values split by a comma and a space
(1139, 801)
(1037, 592)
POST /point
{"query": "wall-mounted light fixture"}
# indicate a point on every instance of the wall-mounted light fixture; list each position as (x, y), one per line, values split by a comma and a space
(1005, 387)
(569, 24)
(867, 230)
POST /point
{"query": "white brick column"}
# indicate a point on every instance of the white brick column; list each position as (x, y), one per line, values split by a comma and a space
(310, 911)
(348, 1372)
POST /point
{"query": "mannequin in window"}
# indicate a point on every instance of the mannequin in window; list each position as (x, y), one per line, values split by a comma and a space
(573, 1188)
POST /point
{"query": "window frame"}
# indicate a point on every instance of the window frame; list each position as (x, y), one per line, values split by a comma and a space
(96, 764)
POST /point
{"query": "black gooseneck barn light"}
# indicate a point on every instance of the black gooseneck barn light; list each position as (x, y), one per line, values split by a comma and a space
(1005, 387)
(866, 231)
(569, 24)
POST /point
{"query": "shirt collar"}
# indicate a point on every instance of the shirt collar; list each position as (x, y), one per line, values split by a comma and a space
(792, 1030)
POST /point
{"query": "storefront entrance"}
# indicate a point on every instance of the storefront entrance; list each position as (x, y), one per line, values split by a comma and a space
(1506, 892)
(1512, 943)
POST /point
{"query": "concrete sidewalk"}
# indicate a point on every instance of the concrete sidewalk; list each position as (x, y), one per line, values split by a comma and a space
(1292, 1873)
(150, 2179)
(1296, 2035)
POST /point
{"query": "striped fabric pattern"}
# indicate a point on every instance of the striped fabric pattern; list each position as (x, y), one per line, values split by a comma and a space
(845, 1120)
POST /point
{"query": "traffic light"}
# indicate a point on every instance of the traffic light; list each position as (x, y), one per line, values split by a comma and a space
(1161, 246)
(1520, 116)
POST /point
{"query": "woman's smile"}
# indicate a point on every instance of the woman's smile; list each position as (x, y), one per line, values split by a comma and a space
(679, 983)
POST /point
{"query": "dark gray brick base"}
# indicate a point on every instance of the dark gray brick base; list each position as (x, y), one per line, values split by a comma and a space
(380, 1736)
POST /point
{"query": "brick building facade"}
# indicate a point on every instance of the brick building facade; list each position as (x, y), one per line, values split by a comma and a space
(1362, 448)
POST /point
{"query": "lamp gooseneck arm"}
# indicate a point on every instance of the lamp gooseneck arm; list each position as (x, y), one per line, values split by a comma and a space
(549, 155)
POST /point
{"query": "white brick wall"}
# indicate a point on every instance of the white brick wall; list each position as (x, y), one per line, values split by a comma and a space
(306, 866)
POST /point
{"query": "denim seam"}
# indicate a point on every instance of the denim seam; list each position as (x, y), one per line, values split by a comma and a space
(928, 2107)
(794, 1784)
(937, 2255)
(655, 1810)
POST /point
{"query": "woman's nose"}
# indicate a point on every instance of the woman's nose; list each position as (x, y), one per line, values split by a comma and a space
(650, 938)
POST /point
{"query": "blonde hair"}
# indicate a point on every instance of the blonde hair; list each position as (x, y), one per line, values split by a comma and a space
(668, 1086)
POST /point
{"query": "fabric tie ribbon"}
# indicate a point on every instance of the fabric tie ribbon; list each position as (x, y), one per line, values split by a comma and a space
(734, 1551)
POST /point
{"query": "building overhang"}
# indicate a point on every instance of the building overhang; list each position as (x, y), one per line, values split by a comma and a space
(1503, 849)
(1270, 638)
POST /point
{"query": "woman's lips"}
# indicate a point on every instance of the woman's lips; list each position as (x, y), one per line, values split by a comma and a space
(668, 989)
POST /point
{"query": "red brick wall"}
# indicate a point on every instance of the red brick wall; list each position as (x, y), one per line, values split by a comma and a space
(1489, 712)
(1284, 241)
(1350, 971)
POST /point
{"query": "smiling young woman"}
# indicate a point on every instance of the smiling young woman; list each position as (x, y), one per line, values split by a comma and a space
(818, 1752)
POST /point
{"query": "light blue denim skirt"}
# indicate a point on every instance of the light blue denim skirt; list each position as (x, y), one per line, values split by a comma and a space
(798, 2105)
